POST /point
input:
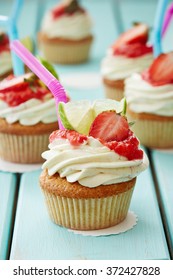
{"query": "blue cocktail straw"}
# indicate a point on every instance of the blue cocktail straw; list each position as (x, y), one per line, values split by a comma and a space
(18, 66)
(160, 12)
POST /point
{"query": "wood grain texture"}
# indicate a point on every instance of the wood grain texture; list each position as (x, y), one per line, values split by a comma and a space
(7, 195)
(35, 236)
(163, 164)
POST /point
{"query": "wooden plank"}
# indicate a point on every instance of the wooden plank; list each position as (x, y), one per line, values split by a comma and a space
(49, 241)
(163, 165)
(7, 200)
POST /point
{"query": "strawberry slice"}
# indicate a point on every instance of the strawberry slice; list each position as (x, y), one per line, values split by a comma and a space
(15, 90)
(133, 50)
(58, 11)
(160, 71)
(109, 126)
(137, 34)
(14, 84)
(4, 42)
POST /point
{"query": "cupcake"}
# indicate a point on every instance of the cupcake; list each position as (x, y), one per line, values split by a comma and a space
(65, 35)
(27, 117)
(129, 54)
(88, 179)
(150, 103)
(5, 56)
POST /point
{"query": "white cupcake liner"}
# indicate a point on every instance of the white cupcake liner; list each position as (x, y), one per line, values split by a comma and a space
(113, 93)
(88, 214)
(23, 148)
(66, 53)
(154, 134)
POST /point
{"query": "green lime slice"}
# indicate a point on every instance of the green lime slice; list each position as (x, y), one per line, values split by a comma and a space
(76, 115)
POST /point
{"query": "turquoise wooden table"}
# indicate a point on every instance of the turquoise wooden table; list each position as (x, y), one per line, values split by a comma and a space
(26, 233)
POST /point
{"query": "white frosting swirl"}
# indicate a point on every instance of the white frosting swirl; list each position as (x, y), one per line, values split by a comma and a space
(91, 164)
(115, 67)
(5, 62)
(142, 97)
(30, 112)
(75, 27)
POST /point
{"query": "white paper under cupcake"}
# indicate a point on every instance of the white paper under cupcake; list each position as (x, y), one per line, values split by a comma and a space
(7, 166)
(129, 222)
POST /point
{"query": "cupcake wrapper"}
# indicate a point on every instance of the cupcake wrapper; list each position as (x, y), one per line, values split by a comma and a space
(90, 213)
(154, 134)
(23, 148)
(66, 54)
(113, 93)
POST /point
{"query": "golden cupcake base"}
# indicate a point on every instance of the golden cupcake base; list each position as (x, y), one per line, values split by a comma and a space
(63, 51)
(24, 144)
(82, 208)
(113, 89)
(153, 131)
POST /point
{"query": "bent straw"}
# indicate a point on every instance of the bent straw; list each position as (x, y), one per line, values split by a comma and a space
(18, 66)
(167, 19)
(51, 82)
(161, 8)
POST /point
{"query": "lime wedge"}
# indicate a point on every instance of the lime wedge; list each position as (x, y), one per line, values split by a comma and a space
(49, 67)
(101, 105)
(76, 115)
(28, 43)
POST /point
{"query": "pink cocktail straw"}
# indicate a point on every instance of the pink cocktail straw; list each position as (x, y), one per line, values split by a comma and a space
(50, 81)
(167, 19)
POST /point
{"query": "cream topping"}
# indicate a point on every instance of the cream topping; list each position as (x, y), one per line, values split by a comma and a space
(142, 97)
(91, 164)
(75, 27)
(30, 112)
(5, 62)
(116, 67)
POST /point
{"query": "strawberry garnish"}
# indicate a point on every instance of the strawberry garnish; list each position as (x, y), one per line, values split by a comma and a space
(68, 8)
(58, 11)
(4, 42)
(73, 136)
(15, 98)
(12, 83)
(160, 71)
(113, 131)
(127, 148)
(133, 50)
(109, 126)
(17, 90)
(58, 134)
(137, 34)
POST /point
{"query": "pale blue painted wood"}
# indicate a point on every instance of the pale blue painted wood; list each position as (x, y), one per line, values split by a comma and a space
(36, 237)
(28, 16)
(7, 196)
(163, 164)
